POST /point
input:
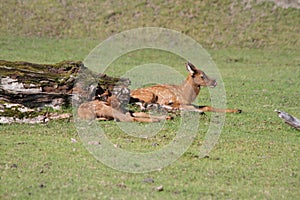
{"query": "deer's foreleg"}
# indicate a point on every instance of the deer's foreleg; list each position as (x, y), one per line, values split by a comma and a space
(212, 109)
(203, 109)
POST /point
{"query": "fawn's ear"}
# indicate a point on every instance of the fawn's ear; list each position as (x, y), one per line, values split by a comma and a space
(191, 68)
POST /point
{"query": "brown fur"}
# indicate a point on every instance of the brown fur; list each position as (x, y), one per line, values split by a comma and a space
(110, 109)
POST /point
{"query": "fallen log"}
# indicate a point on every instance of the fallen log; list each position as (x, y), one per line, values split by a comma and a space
(36, 85)
(28, 90)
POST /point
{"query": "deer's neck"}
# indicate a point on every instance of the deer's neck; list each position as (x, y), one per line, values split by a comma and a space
(190, 90)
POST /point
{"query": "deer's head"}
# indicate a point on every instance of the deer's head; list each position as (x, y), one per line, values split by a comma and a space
(199, 77)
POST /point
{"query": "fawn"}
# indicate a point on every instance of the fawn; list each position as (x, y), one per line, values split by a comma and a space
(180, 96)
(110, 109)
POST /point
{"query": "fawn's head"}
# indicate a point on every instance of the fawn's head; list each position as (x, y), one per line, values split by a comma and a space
(199, 77)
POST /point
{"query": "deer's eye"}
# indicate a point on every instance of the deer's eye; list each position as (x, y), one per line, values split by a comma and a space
(202, 77)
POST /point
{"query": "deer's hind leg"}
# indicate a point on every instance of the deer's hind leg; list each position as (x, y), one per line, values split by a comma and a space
(144, 96)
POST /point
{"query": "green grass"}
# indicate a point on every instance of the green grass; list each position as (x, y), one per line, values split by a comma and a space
(42, 162)
(214, 24)
(44, 50)
(257, 156)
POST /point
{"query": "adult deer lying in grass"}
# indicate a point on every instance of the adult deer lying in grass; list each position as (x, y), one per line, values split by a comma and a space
(110, 110)
(180, 96)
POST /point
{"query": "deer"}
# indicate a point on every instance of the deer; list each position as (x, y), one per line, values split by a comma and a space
(110, 110)
(181, 96)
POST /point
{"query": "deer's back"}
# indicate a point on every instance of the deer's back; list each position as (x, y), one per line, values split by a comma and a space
(162, 94)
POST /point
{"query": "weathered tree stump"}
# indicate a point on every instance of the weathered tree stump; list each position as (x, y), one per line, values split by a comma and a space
(26, 89)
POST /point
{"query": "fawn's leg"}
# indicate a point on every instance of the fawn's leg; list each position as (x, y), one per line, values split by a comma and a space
(145, 117)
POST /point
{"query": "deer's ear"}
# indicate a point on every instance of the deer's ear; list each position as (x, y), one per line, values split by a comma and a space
(191, 68)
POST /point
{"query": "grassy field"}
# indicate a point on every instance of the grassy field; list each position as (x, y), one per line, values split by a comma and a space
(257, 156)
(215, 24)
